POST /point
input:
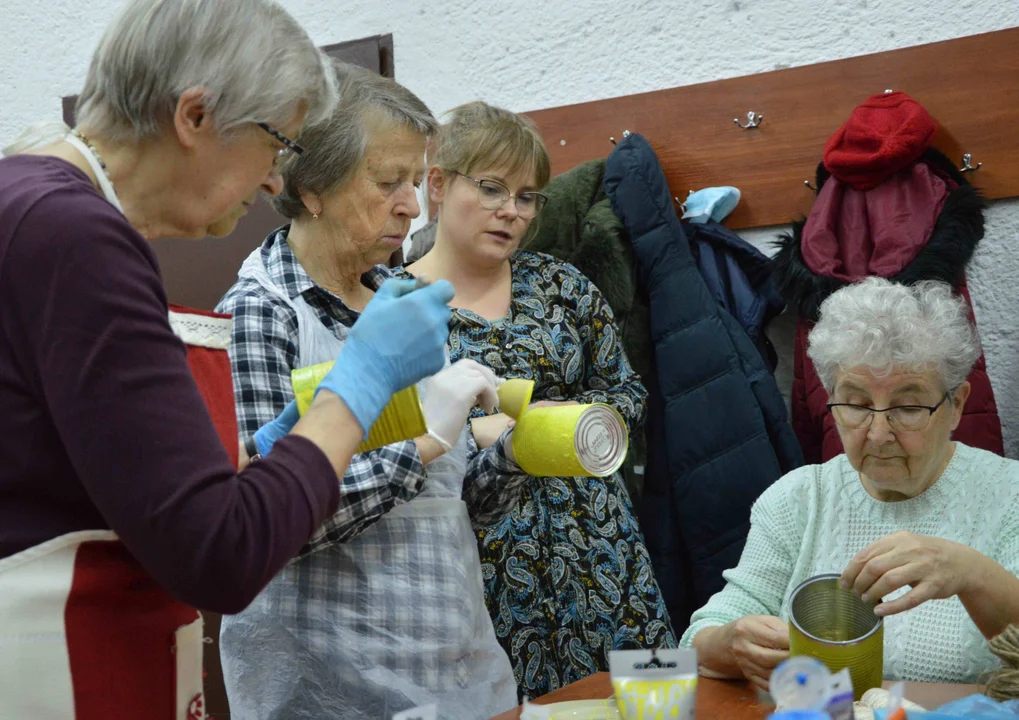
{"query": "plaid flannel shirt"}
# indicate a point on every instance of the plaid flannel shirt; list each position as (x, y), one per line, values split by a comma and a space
(263, 351)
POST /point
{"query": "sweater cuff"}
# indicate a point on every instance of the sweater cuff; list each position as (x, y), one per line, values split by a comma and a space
(691, 632)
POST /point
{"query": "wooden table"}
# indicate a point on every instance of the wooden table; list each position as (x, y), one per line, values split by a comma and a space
(734, 700)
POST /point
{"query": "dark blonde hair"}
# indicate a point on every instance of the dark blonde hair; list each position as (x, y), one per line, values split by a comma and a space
(477, 135)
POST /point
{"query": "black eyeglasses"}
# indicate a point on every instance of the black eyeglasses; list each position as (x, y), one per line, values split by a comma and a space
(289, 145)
(492, 195)
(908, 418)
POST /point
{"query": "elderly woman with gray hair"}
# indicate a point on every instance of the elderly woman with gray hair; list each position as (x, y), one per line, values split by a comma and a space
(120, 509)
(925, 528)
(383, 610)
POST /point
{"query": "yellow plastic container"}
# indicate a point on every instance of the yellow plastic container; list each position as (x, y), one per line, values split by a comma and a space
(654, 685)
(401, 419)
(837, 628)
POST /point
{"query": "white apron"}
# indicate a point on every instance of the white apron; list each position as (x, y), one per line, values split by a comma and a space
(392, 619)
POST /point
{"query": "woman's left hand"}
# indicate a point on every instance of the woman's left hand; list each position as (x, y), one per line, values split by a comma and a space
(934, 568)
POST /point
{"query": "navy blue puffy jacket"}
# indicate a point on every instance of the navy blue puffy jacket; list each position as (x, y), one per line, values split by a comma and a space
(717, 429)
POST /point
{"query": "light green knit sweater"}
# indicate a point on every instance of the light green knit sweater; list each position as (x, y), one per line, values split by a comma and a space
(816, 518)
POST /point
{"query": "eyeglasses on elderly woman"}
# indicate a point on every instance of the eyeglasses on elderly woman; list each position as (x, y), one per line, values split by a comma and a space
(901, 418)
(289, 146)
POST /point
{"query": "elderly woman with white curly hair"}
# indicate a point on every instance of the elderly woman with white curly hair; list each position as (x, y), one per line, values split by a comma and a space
(925, 528)
(120, 509)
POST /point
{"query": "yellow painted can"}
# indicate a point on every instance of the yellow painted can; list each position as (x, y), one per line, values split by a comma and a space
(837, 628)
(401, 419)
(570, 440)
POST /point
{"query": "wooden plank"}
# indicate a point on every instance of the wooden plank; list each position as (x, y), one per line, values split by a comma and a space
(970, 86)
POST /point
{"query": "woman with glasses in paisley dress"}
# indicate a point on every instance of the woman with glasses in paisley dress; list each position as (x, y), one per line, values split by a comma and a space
(567, 575)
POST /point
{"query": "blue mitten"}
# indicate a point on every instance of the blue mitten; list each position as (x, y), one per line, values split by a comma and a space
(267, 435)
(399, 339)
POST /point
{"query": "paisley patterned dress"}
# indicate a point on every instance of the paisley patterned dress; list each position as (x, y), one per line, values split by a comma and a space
(567, 575)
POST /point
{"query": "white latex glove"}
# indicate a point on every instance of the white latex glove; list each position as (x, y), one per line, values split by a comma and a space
(451, 395)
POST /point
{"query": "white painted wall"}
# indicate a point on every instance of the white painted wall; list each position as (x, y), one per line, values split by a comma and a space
(528, 55)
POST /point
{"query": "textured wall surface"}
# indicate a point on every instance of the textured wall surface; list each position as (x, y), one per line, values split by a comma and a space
(527, 55)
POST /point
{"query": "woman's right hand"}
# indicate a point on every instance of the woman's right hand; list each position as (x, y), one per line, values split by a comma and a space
(759, 643)
(399, 339)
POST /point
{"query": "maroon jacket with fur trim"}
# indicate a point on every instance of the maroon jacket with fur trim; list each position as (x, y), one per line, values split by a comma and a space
(959, 227)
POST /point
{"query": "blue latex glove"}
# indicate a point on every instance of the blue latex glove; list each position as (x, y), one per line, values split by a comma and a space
(399, 339)
(267, 435)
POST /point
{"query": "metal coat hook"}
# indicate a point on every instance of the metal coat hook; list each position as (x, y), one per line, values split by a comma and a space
(753, 120)
(807, 183)
(682, 205)
(967, 166)
(626, 134)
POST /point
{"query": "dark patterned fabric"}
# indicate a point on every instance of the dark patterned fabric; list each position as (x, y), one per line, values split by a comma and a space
(567, 575)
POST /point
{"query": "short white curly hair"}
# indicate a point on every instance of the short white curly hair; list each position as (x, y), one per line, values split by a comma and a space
(886, 327)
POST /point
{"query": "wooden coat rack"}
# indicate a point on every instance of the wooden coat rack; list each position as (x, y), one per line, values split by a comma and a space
(969, 85)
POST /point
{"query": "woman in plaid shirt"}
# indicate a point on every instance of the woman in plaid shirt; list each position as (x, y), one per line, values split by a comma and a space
(384, 609)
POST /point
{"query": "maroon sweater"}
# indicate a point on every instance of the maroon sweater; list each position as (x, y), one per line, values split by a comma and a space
(101, 423)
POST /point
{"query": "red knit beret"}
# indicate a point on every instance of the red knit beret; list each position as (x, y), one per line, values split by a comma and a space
(883, 135)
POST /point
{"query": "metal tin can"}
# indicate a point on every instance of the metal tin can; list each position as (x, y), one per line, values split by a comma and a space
(839, 629)
(570, 440)
(401, 419)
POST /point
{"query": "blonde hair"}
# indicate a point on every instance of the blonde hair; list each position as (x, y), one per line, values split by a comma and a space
(479, 136)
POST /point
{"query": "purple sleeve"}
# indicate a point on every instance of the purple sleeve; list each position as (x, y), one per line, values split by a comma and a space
(115, 381)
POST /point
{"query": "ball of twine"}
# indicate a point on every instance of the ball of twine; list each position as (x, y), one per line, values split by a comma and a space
(1003, 683)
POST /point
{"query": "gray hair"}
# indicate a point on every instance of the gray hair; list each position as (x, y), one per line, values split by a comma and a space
(336, 147)
(886, 326)
(253, 60)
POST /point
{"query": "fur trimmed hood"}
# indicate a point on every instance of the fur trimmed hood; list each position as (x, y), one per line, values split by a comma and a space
(959, 227)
